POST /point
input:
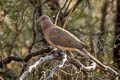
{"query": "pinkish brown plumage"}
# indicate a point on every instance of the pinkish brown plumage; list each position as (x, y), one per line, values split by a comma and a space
(59, 37)
(62, 39)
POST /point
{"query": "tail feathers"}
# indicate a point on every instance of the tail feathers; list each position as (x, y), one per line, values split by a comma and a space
(83, 51)
(80, 51)
(94, 59)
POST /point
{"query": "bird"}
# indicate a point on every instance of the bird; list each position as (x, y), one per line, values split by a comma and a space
(63, 39)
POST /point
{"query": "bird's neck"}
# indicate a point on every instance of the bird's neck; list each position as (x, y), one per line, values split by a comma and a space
(45, 28)
(47, 25)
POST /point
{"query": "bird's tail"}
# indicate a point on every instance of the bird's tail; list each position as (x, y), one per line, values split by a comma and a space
(85, 53)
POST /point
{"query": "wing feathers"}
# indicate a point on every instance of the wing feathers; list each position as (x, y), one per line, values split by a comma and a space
(63, 38)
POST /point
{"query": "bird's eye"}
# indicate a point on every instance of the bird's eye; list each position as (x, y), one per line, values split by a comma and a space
(43, 18)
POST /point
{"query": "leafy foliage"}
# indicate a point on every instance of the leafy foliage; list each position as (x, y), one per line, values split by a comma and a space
(17, 25)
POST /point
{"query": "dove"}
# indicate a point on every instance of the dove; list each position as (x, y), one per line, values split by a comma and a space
(63, 39)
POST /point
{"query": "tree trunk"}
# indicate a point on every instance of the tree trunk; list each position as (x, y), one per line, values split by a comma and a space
(117, 35)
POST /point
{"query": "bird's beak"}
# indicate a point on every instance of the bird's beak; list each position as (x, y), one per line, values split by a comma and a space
(39, 23)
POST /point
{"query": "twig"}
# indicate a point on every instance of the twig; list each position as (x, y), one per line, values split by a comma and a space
(67, 6)
(34, 31)
(64, 5)
(67, 18)
(61, 63)
(57, 17)
(74, 7)
(60, 11)
(89, 68)
(104, 14)
(70, 11)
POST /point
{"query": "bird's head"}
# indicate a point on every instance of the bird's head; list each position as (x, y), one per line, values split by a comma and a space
(45, 21)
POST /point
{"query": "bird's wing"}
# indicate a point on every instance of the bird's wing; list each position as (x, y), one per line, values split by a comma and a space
(63, 38)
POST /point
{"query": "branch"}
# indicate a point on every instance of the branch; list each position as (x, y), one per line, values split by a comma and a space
(34, 31)
(73, 61)
(92, 67)
(39, 62)
(25, 59)
(61, 63)
(81, 66)
(102, 29)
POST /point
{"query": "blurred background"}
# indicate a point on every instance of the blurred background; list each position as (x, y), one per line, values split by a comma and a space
(95, 22)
